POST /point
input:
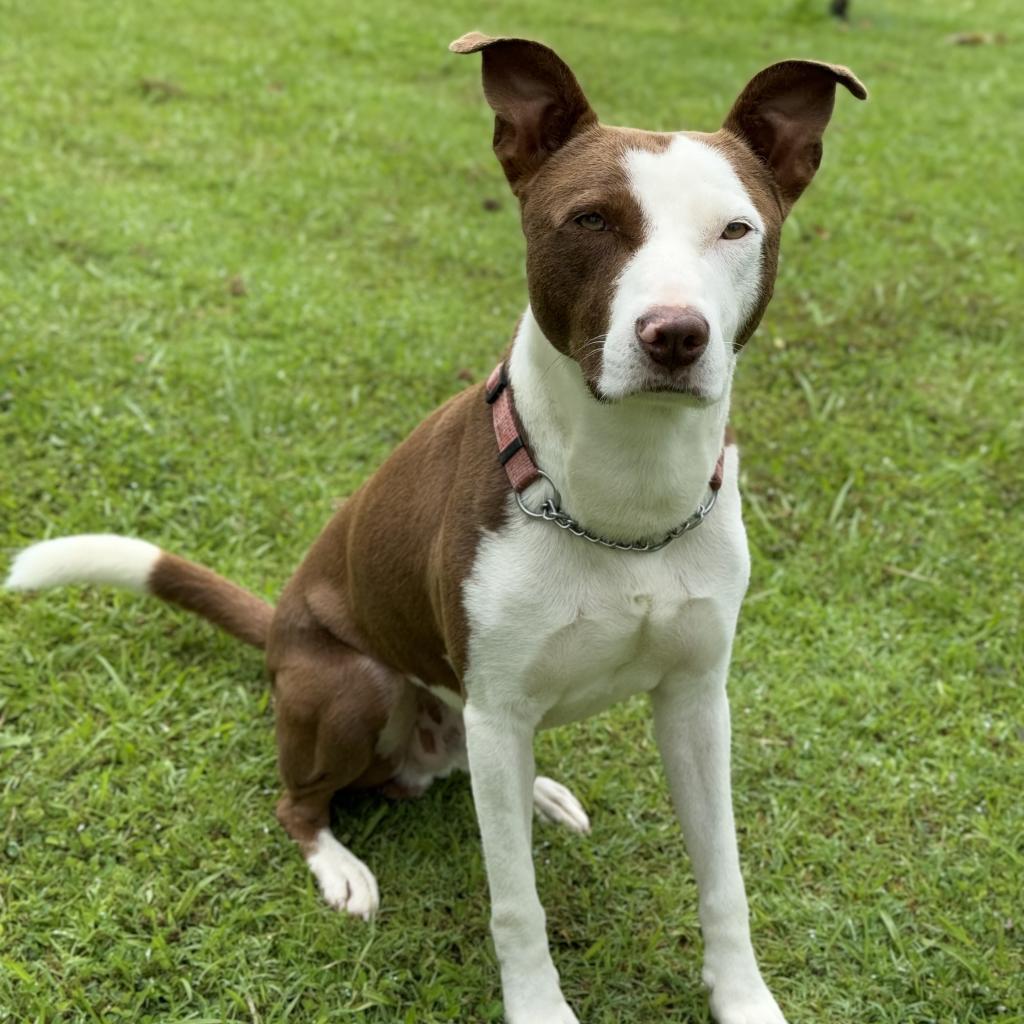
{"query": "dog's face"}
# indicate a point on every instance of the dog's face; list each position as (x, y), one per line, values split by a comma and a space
(654, 264)
(651, 256)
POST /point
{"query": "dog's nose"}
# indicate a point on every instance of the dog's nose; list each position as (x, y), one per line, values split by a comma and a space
(673, 336)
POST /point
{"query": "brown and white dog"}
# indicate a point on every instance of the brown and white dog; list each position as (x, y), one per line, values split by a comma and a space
(436, 624)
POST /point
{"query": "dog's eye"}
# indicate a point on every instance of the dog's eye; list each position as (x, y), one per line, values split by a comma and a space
(592, 221)
(735, 229)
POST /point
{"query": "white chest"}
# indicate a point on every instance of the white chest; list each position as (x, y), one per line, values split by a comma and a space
(563, 629)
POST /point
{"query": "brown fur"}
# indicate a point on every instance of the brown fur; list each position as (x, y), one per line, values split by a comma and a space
(199, 590)
(782, 114)
(570, 270)
(537, 102)
(331, 703)
(561, 163)
(379, 598)
(385, 576)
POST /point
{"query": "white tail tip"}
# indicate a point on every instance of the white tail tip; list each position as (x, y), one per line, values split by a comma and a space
(87, 558)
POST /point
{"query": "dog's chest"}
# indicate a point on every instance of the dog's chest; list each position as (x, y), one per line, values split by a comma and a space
(570, 629)
(615, 643)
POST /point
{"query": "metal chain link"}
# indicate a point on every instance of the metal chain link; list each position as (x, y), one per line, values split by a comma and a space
(550, 512)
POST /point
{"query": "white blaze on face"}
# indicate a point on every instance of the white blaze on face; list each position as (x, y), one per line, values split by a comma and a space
(688, 193)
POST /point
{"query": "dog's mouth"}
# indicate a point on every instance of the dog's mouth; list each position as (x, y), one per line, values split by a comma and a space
(675, 388)
(689, 384)
(683, 382)
(668, 391)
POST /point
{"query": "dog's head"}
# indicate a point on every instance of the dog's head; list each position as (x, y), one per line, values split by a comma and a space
(651, 256)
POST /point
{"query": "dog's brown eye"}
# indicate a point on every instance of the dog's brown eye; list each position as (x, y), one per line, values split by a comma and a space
(592, 222)
(735, 229)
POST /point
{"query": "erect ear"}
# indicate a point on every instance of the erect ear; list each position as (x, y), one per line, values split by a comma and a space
(537, 102)
(782, 114)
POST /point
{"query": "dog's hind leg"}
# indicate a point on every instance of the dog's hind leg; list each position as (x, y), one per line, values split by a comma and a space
(333, 708)
(558, 804)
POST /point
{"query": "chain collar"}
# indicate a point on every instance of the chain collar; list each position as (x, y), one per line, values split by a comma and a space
(551, 512)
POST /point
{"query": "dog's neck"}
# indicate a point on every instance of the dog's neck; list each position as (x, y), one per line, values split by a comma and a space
(632, 469)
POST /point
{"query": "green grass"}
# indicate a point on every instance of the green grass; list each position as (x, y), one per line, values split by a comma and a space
(244, 248)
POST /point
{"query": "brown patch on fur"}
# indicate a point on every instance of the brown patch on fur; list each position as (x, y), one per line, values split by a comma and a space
(385, 576)
(570, 270)
(202, 591)
(378, 598)
(561, 163)
(772, 137)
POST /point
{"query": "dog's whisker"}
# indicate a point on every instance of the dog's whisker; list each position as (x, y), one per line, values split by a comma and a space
(554, 362)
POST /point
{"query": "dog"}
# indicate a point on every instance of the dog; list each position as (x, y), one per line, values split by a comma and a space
(554, 540)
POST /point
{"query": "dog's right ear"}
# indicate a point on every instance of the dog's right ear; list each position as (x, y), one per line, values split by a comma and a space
(538, 104)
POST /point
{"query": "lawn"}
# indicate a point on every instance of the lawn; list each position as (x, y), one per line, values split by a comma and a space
(246, 247)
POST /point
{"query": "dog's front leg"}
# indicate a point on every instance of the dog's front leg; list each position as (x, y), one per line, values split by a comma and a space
(500, 746)
(691, 723)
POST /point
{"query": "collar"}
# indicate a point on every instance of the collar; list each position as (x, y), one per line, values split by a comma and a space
(522, 471)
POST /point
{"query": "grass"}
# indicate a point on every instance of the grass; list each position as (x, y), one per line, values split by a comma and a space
(245, 248)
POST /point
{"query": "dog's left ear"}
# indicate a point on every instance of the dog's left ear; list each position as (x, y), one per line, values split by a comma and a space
(538, 104)
(782, 114)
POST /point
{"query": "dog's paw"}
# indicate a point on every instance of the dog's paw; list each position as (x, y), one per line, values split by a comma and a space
(532, 994)
(747, 1004)
(553, 802)
(345, 881)
(561, 1014)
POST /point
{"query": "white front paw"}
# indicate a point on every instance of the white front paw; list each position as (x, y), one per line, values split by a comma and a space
(744, 1003)
(538, 1007)
(559, 1015)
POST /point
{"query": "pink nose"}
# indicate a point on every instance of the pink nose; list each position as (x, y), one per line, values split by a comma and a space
(673, 336)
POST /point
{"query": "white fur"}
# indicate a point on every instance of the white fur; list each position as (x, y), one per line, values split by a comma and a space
(688, 194)
(345, 881)
(501, 762)
(87, 558)
(561, 629)
(629, 470)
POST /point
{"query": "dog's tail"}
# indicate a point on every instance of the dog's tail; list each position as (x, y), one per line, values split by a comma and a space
(143, 567)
